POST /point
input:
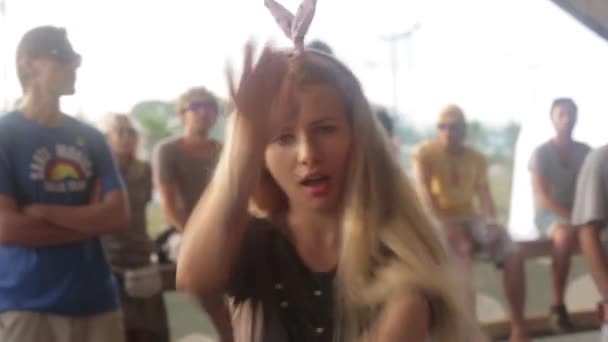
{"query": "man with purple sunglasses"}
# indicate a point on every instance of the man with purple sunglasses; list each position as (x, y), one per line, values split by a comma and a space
(183, 164)
(182, 167)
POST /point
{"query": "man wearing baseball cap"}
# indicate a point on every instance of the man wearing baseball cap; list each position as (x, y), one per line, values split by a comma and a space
(59, 190)
(451, 176)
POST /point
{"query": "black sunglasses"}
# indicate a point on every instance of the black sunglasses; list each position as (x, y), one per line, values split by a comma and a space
(208, 107)
(124, 130)
(66, 57)
(451, 127)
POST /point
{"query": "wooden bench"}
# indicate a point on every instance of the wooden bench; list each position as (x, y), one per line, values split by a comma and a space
(539, 248)
(538, 325)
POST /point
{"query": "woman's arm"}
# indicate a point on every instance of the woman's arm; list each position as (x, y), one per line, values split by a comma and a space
(215, 230)
(216, 227)
(405, 318)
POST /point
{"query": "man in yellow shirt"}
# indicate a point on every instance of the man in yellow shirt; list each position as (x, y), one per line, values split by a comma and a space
(450, 177)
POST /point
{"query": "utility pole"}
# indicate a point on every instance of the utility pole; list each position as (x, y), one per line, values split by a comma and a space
(393, 41)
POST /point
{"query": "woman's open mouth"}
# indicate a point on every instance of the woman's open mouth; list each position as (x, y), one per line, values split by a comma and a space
(316, 185)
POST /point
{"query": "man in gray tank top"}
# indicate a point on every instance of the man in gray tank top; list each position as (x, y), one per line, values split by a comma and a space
(554, 167)
(184, 164)
(182, 168)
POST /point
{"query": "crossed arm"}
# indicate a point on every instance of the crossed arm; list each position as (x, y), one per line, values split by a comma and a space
(44, 224)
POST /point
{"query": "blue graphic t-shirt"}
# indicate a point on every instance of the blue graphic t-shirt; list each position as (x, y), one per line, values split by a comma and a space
(57, 165)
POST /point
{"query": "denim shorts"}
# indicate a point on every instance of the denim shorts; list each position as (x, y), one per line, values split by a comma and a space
(546, 221)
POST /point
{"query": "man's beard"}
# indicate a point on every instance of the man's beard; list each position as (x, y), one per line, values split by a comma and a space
(202, 131)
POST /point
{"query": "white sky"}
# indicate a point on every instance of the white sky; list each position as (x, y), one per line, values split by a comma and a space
(499, 59)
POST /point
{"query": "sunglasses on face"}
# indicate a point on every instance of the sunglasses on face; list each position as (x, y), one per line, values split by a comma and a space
(66, 57)
(451, 127)
(205, 107)
(125, 131)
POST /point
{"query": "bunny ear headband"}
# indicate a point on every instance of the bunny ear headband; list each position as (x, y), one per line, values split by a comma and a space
(294, 27)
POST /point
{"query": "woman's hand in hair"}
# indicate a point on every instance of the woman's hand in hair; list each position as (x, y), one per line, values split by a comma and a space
(257, 89)
(214, 232)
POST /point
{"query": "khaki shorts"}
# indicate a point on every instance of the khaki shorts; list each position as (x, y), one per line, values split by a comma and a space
(19, 326)
(488, 243)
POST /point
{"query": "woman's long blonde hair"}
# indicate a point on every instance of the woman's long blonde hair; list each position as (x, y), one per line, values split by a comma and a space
(388, 243)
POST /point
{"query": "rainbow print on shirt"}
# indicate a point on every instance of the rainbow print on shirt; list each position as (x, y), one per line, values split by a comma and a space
(62, 169)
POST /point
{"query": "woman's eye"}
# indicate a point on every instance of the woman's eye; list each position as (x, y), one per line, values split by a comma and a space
(285, 139)
(327, 129)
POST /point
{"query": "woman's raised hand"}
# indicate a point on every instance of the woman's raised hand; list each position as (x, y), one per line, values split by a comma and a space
(257, 90)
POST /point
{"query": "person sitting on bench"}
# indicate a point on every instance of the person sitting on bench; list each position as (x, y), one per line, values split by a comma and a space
(450, 177)
(554, 167)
